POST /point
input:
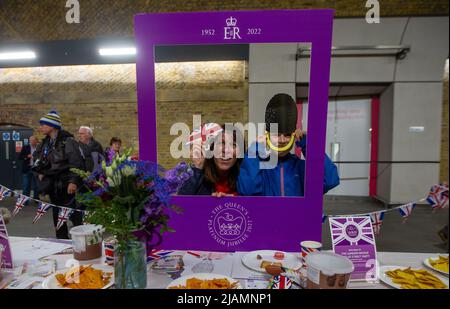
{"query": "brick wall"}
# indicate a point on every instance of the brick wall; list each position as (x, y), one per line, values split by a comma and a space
(103, 97)
(31, 20)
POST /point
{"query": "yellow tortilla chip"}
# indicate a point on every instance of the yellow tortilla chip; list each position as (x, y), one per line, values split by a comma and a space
(415, 279)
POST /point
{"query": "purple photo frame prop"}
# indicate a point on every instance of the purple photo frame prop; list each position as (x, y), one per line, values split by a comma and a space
(241, 223)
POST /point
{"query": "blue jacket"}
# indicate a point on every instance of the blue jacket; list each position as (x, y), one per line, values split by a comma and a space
(196, 184)
(285, 179)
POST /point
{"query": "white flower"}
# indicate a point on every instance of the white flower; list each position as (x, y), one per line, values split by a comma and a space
(128, 171)
(109, 171)
(114, 181)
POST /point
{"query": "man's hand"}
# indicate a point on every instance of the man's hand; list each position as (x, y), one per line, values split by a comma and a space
(30, 156)
(298, 134)
(40, 176)
(72, 188)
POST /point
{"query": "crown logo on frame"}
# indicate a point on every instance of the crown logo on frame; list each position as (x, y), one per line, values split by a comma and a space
(231, 21)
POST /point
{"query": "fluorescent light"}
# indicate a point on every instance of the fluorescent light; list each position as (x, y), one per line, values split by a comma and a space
(17, 55)
(122, 51)
(416, 129)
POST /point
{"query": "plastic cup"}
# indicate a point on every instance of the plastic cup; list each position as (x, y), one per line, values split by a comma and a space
(87, 241)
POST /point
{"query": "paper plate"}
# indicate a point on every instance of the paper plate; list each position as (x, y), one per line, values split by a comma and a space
(202, 276)
(387, 280)
(51, 283)
(289, 261)
(427, 263)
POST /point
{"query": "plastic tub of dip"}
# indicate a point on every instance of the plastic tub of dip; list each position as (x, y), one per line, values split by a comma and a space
(327, 270)
(87, 241)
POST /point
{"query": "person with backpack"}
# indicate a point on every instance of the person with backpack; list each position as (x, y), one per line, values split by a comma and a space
(56, 155)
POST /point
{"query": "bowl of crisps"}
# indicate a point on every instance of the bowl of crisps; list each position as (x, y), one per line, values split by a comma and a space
(438, 263)
(401, 277)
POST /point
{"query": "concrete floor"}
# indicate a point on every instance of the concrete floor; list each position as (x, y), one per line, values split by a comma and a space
(418, 234)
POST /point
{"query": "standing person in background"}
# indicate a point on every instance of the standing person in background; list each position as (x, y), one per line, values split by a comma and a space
(90, 149)
(29, 179)
(57, 154)
(114, 148)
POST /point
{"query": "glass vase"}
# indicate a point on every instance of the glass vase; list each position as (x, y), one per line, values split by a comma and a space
(130, 269)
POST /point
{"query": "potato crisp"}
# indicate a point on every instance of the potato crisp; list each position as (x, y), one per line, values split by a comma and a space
(440, 264)
(415, 279)
(84, 277)
(194, 283)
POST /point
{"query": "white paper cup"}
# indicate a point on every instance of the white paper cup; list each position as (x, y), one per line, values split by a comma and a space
(327, 270)
(307, 247)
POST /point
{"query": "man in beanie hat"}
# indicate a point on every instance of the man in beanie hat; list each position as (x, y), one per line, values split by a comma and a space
(57, 154)
(286, 176)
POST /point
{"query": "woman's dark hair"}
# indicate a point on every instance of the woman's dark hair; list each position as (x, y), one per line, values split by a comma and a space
(114, 139)
(210, 169)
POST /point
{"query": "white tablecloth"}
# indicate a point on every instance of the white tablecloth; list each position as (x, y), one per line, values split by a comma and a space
(232, 266)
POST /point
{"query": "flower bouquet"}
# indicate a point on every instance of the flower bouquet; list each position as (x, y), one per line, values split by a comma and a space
(131, 200)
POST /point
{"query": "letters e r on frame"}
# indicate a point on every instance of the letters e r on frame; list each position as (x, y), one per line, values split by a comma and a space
(241, 223)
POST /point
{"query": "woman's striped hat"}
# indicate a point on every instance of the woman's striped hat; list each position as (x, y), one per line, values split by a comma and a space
(52, 119)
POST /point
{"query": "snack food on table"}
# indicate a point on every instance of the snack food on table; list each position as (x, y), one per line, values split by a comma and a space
(441, 263)
(264, 264)
(195, 283)
(88, 278)
(415, 279)
(278, 255)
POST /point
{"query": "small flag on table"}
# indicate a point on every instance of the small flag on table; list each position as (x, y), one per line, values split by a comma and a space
(157, 254)
(4, 192)
(406, 210)
(63, 215)
(20, 203)
(42, 209)
(377, 219)
(438, 196)
(280, 282)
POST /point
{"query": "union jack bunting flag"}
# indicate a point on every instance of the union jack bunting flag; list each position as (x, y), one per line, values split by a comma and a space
(204, 133)
(42, 209)
(157, 254)
(20, 203)
(63, 215)
(4, 192)
(324, 218)
(377, 219)
(406, 210)
(444, 197)
(438, 196)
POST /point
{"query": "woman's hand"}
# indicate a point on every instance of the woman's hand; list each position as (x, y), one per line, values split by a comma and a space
(198, 155)
(221, 194)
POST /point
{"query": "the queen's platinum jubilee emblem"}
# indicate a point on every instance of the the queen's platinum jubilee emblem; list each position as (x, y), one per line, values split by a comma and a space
(230, 224)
